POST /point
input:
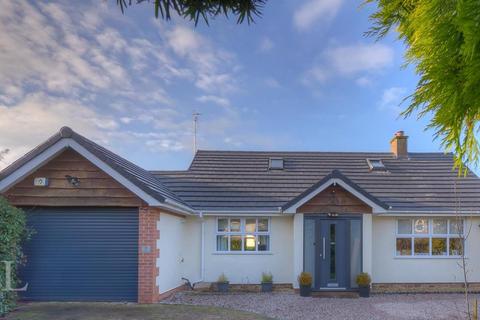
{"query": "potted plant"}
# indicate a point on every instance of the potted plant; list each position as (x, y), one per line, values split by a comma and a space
(222, 283)
(267, 282)
(363, 280)
(305, 282)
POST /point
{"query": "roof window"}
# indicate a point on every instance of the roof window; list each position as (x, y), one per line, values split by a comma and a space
(376, 165)
(275, 164)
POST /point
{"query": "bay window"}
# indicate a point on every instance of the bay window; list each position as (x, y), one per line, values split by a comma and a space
(429, 237)
(243, 235)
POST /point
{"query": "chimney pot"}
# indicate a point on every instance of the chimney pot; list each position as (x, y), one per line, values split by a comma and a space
(398, 144)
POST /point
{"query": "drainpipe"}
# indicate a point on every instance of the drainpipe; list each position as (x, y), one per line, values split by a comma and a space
(202, 250)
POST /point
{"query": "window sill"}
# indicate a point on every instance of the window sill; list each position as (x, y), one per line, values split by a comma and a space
(430, 257)
(246, 253)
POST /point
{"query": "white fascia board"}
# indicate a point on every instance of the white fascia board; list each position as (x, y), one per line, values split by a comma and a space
(242, 213)
(334, 181)
(65, 143)
(178, 207)
(428, 213)
(33, 164)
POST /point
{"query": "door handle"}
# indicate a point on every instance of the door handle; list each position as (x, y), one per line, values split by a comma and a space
(323, 240)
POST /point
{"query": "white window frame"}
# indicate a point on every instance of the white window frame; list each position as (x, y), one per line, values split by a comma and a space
(242, 233)
(429, 236)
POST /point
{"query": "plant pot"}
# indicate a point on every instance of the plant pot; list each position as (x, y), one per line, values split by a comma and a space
(267, 286)
(305, 291)
(223, 286)
(364, 291)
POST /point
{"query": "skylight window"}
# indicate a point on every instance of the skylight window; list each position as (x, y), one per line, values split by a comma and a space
(275, 164)
(376, 165)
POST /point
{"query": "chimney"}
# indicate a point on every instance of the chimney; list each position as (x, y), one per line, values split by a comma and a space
(398, 145)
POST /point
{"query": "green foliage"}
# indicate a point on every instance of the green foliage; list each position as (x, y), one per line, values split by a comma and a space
(443, 42)
(222, 278)
(363, 279)
(305, 279)
(207, 9)
(267, 277)
(13, 232)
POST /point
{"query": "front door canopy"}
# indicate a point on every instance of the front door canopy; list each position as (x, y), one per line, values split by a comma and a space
(336, 178)
(139, 181)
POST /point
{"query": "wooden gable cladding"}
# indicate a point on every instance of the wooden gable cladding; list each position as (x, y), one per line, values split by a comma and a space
(96, 188)
(334, 199)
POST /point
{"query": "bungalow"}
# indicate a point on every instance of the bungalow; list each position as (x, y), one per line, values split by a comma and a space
(106, 229)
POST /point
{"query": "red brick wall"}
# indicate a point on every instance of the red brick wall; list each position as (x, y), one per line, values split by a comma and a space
(147, 261)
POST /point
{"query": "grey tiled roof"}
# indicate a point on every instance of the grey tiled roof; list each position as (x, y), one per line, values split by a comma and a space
(141, 178)
(231, 180)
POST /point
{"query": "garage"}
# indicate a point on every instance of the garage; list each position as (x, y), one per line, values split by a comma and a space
(81, 254)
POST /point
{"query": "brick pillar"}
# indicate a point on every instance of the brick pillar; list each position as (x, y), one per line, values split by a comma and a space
(147, 255)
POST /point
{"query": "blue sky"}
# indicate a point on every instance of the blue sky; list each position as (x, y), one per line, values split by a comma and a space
(303, 77)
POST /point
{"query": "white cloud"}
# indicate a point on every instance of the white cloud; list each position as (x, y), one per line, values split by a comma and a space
(351, 61)
(63, 65)
(213, 68)
(223, 102)
(313, 11)
(391, 99)
(266, 44)
(363, 81)
(38, 116)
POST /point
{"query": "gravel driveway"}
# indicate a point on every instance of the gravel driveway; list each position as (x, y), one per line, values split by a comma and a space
(283, 305)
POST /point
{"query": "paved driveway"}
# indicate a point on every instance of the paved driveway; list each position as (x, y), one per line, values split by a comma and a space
(292, 306)
(117, 311)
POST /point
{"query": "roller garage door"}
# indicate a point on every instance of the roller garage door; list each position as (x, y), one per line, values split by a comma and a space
(82, 254)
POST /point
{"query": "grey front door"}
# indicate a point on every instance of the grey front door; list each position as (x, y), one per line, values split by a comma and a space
(332, 254)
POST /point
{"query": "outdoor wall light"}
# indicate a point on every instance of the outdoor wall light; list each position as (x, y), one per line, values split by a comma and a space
(74, 181)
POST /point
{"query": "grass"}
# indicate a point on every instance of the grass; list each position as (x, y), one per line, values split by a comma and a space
(118, 311)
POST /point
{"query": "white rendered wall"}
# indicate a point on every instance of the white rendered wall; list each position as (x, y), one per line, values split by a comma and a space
(247, 268)
(297, 247)
(180, 249)
(367, 243)
(386, 268)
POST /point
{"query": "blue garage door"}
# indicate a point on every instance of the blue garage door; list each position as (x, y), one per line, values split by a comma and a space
(82, 254)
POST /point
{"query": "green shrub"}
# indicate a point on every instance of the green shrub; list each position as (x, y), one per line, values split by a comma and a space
(222, 278)
(267, 277)
(363, 279)
(13, 232)
(305, 279)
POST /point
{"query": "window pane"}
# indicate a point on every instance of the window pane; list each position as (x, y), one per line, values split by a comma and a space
(404, 246)
(235, 225)
(222, 243)
(263, 243)
(456, 226)
(439, 246)
(262, 225)
(222, 225)
(250, 225)
(236, 243)
(249, 242)
(440, 226)
(421, 246)
(355, 251)
(405, 226)
(421, 226)
(455, 248)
